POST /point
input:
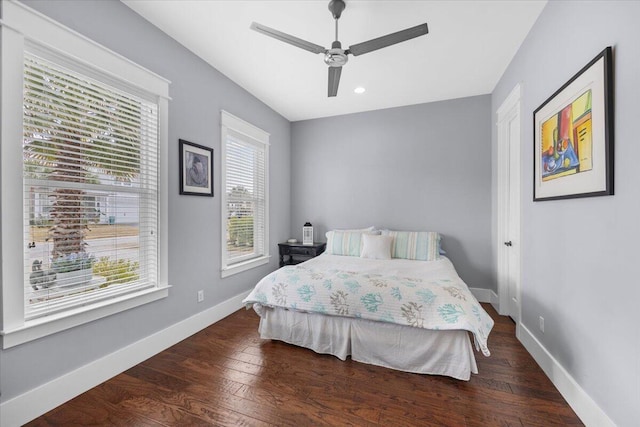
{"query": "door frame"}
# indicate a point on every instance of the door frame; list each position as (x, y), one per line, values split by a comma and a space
(509, 111)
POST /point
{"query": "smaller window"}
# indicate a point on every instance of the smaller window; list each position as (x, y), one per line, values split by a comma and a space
(245, 195)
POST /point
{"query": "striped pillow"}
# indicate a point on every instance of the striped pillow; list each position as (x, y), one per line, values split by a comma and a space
(344, 243)
(418, 245)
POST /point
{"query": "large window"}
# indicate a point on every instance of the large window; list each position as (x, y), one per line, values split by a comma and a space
(83, 154)
(90, 160)
(245, 201)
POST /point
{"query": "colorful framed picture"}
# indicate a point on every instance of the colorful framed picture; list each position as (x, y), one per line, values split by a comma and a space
(196, 169)
(573, 136)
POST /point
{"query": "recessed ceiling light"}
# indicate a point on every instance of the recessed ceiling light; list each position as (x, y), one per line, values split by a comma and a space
(359, 89)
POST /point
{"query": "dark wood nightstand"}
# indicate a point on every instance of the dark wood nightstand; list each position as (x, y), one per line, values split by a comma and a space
(297, 252)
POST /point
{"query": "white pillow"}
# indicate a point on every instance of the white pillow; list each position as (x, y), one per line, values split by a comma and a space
(376, 247)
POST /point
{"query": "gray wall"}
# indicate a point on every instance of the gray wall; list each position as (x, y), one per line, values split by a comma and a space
(198, 92)
(586, 284)
(421, 167)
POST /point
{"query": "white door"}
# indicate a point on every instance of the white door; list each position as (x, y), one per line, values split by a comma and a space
(509, 142)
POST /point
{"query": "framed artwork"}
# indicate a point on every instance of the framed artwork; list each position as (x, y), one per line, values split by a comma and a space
(196, 169)
(573, 136)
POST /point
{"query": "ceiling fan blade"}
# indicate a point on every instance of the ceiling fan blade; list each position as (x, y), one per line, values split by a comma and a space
(287, 38)
(334, 80)
(388, 40)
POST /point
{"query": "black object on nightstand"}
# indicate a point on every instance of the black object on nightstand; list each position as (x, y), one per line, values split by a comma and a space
(297, 252)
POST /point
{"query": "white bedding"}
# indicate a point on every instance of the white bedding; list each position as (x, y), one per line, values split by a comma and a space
(403, 348)
(397, 346)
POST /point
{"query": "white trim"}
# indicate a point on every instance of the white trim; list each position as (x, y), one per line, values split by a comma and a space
(36, 182)
(243, 127)
(43, 326)
(509, 102)
(163, 192)
(587, 410)
(485, 295)
(11, 211)
(267, 197)
(509, 111)
(38, 28)
(243, 266)
(223, 198)
(495, 301)
(35, 402)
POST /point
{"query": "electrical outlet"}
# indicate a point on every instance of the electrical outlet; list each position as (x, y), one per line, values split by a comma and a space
(200, 296)
(541, 324)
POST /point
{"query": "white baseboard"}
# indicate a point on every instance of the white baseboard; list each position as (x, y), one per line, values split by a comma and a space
(587, 410)
(485, 295)
(32, 404)
(24, 408)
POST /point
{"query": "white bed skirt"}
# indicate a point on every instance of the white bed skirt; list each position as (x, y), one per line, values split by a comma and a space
(403, 348)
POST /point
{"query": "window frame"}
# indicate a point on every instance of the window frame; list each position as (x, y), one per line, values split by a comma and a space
(254, 136)
(22, 27)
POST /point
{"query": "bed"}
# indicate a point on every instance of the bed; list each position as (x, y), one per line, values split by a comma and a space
(411, 315)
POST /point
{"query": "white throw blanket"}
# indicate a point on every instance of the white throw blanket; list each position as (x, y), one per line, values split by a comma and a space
(429, 298)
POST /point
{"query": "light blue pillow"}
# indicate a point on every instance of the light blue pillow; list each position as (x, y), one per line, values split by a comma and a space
(344, 243)
(416, 245)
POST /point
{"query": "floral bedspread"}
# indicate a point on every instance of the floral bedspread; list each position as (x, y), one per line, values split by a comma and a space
(438, 304)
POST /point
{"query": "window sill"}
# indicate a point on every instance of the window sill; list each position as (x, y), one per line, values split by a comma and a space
(43, 326)
(244, 266)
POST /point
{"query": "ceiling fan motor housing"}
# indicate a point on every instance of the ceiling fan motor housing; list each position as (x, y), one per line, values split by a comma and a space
(336, 7)
(335, 57)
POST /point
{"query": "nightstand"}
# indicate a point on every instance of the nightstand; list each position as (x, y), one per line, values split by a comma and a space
(297, 252)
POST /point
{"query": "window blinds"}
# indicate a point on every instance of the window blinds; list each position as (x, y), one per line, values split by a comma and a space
(245, 188)
(90, 156)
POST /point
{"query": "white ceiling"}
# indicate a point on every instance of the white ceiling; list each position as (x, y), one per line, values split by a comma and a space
(469, 45)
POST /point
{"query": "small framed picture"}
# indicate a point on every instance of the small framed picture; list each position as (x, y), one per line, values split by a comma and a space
(196, 169)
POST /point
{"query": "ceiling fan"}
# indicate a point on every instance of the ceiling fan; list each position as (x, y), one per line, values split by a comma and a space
(336, 57)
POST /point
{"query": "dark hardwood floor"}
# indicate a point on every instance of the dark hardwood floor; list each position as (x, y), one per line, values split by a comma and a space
(226, 375)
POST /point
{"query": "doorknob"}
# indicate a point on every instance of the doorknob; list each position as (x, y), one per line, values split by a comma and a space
(508, 243)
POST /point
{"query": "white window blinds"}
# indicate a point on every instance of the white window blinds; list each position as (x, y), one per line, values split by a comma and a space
(90, 180)
(245, 206)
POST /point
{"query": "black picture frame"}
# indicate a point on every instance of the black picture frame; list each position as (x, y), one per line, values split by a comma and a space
(196, 169)
(573, 135)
